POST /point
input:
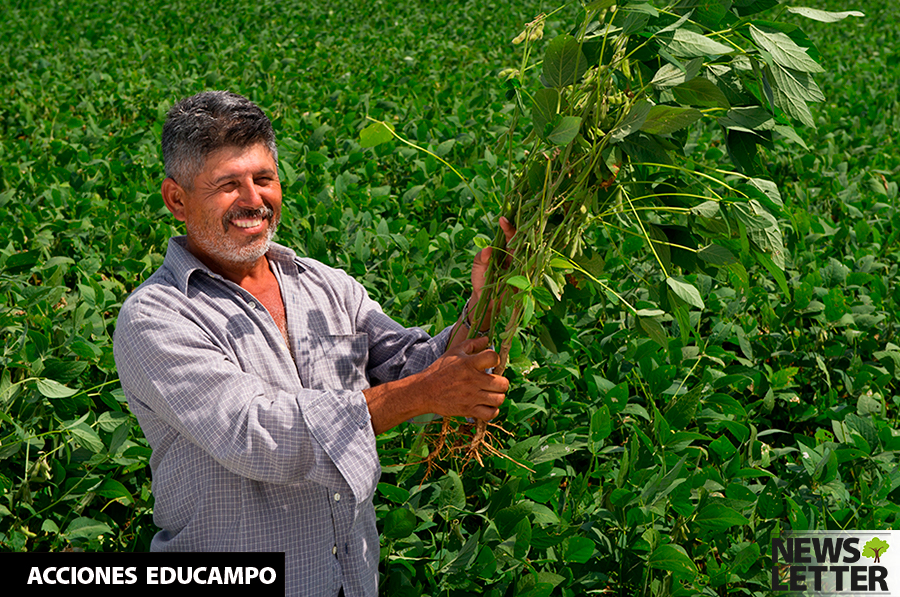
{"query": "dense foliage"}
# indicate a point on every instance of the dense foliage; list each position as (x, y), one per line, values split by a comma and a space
(656, 463)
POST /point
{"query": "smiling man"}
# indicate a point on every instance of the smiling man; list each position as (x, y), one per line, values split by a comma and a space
(260, 378)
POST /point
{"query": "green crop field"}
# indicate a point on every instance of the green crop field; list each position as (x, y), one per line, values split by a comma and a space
(636, 458)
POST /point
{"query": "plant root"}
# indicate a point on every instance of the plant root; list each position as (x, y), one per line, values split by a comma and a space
(467, 440)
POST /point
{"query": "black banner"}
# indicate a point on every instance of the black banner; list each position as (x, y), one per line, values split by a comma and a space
(175, 573)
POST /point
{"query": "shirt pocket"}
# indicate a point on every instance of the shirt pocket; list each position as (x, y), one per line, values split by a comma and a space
(338, 363)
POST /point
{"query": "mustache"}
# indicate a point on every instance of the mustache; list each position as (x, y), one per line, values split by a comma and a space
(265, 212)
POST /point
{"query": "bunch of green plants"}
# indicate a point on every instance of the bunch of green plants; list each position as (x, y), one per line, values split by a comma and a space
(606, 167)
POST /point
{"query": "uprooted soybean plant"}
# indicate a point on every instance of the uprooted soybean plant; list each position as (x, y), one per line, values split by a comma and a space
(609, 108)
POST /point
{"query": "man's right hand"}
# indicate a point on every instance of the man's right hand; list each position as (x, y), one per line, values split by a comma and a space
(455, 385)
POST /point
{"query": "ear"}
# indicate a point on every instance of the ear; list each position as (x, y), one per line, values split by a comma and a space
(173, 196)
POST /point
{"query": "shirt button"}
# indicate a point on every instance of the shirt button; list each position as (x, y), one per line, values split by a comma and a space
(252, 305)
(334, 550)
(337, 497)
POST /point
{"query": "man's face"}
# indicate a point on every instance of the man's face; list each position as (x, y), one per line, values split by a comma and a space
(234, 207)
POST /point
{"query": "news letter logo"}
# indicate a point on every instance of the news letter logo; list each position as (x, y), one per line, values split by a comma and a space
(836, 563)
(874, 548)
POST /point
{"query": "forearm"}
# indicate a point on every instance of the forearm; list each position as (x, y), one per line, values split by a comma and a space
(394, 402)
(455, 385)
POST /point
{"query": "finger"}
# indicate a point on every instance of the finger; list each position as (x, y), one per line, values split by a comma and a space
(488, 409)
(479, 270)
(508, 229)
(475, 345)
(485, 413)
(484, 359)
(497, 386)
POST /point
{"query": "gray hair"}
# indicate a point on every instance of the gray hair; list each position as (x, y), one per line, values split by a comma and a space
(201, 124)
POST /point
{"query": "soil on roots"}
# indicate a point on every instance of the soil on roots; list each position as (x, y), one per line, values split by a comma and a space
(464, 439)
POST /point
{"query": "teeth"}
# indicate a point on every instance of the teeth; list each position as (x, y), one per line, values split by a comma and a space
(247, 223)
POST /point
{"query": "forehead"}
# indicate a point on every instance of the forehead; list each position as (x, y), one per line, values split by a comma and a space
(236, 161)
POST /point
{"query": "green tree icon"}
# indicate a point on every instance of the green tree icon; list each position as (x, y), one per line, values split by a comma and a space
(873, 548)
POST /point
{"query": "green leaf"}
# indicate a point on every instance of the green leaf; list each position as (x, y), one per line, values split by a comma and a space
(746, 8)
(520, 282)
(707, 209)
(507, 518)
(111, 420)
(393, 493)
(799, 520)
(723, 447)
(54, 389)
(710, 13)
(599, 4)
(835, 304)
(578, 549)
(85, 528)
(538, 585)
(672, 558)
(114, 490)
(749, 119)
(631, 123)
(683, 317)
(784, 50)
(742, 149)
(688, 44)
(700, 92)
(314, 158)
(655, 330)
(717, 517)
(769, 189)
(645, 148)
(686, 292)
(87, 437)
(683, 408)
(399, 523)
(564, 62)
(790, 134)
(669, 75)
(823, 15)
(452, 494)
(375, 134)
(545, 103)
(601, 425)
(745, 558)
(547, 451)
(464, 556)
(792, 89)
(663, 484)
(664, 120)
(776, 271)
(716, 255)
(565, 131)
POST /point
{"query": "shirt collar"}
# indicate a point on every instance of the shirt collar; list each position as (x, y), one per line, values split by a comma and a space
(182, 264)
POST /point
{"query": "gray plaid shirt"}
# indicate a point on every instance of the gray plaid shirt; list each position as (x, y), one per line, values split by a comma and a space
(258, 447)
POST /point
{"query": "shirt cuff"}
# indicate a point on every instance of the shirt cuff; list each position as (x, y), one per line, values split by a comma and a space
(340, 423)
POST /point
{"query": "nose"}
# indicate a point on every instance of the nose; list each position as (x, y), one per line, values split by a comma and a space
(249, 195)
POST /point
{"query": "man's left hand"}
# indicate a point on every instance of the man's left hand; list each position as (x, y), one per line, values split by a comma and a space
(479, 270)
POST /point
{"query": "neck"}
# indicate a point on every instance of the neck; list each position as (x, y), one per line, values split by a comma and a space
(241, 273)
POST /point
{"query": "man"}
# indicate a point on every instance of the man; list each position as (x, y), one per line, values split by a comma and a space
(261, 378)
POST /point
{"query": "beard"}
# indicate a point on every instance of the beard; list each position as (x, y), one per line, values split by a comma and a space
(215, 242)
